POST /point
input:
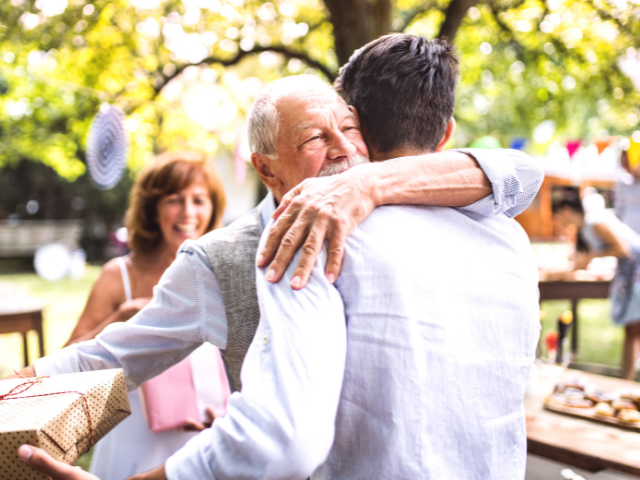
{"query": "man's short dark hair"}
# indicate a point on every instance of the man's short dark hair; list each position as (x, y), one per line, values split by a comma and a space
(403, 87)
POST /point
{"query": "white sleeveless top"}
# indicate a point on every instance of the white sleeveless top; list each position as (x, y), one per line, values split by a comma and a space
(126, 283)
(131, 447)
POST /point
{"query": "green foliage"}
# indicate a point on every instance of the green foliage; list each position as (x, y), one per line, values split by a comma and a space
(185, 71)
(548, 60)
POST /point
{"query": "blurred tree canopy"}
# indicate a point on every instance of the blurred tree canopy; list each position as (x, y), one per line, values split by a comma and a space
(186, 71)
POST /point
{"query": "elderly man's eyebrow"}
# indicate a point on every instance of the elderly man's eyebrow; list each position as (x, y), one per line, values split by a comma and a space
(351, 116)
(305, 126)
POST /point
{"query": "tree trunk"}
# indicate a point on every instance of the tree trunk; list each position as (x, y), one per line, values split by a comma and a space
(357, 22)
(380, 20)
(350, 26)
(453, 17)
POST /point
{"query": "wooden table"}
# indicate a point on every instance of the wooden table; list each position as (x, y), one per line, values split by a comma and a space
(574, 290)
(21, 319)
(581, 443)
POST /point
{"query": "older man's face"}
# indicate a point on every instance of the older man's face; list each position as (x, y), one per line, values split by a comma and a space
(317, 135)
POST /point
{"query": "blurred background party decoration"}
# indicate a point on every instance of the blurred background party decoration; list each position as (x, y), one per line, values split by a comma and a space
(107, 147)
(486, 142)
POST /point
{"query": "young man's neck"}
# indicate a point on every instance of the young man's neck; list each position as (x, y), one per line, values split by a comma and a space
(396, 153)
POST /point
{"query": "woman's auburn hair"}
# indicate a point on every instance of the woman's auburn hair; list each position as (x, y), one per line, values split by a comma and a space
(169, 173)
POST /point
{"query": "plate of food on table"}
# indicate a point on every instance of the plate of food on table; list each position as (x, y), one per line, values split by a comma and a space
(576, 396)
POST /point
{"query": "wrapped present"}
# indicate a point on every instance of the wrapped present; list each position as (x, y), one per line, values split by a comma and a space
(63, 414)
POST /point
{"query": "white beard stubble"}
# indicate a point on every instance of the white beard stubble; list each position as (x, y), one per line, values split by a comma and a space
(338, 167)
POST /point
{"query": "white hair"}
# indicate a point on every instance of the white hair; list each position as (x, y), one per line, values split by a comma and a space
(262, 123)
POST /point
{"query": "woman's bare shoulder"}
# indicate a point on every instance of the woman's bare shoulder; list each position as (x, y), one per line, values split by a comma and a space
(109, 283)
(111, 269)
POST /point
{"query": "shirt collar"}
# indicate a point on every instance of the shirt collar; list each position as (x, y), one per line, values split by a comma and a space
(267, 207)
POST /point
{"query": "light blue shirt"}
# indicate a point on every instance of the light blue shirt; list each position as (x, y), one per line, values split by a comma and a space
(187, 309)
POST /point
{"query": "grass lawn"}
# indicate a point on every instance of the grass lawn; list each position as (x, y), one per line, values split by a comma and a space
(64, 302)
(599, 340)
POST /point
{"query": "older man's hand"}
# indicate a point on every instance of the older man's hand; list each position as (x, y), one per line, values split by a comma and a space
(42, 462)
(318, 209)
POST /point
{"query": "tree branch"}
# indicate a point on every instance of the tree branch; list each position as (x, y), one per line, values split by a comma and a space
(504, 27)
(288, 53)
(608, 16)
(413, 14)
(453, 16)
(522, 51)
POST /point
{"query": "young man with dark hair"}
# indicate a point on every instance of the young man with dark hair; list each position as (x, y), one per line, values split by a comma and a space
(403, 87)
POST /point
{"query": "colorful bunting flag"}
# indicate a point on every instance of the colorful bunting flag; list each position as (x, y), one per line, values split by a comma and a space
(486, 142)
(573, 146)
(602, 143)
(517, 143)
(634, 154)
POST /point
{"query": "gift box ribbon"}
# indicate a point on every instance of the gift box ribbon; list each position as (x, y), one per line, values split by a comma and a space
(15, 394)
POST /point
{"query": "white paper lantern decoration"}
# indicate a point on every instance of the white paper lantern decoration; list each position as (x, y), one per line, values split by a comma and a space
(107, 147)
(52, 261)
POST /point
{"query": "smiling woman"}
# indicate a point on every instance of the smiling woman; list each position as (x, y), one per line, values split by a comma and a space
(177, 197)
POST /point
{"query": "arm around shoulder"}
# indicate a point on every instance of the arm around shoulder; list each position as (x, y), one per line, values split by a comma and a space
(515, 179)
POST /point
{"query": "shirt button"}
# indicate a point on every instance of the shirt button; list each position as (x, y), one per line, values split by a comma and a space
(266, 339)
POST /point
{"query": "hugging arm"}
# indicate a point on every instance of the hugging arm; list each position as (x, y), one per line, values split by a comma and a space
(487, 182)
(170, 327)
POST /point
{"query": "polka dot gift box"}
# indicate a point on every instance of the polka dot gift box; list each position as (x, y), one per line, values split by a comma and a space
(62, 414)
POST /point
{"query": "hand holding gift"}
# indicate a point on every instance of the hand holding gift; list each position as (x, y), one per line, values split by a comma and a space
(65, 415)
(41, 461)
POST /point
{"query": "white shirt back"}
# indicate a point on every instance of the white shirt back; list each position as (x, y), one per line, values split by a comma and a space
(443, 322)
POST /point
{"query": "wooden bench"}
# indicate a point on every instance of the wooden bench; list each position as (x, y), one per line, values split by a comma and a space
(22, 319)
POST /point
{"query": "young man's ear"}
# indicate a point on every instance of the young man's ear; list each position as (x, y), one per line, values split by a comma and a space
(262, 165)
(353, 110)
(448, 133)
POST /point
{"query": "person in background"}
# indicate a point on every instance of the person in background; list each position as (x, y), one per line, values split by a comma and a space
(627, 195)
(606, 236)
(177, 197)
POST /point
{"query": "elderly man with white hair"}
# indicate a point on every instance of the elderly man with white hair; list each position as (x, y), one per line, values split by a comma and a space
(298, 128)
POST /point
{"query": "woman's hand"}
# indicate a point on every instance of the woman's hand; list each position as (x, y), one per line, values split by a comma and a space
(123, 313)
(42, 462)
(129, 308)
(197, 426)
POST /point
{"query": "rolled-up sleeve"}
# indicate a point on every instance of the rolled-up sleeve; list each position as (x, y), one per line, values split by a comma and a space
(281, 426)
(514, 176)
(185, 311)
